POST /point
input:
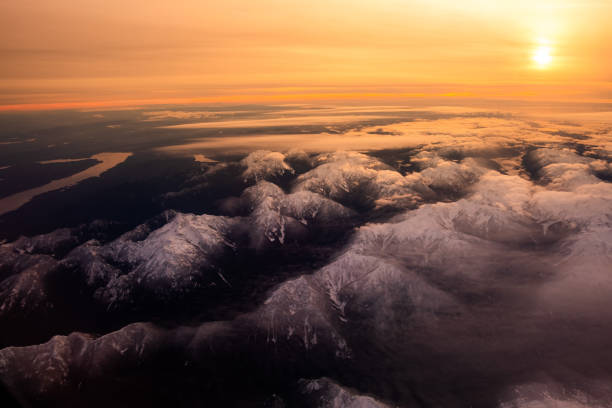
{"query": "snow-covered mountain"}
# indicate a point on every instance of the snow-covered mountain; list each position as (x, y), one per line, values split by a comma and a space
(453, 273)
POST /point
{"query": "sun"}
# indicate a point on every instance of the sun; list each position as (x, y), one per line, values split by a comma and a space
(542, 55)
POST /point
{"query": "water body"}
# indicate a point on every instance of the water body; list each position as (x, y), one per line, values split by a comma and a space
(60, 161)
(203, 159)
(108, 161)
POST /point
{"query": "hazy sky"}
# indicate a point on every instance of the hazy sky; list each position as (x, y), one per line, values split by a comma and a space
(117, 51)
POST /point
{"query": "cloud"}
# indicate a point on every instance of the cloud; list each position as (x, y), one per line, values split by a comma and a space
(171, 114)
(448, 133)
(302, 120)
(548, 394)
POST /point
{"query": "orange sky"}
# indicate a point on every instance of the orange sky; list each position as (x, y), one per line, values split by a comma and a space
(66, 53)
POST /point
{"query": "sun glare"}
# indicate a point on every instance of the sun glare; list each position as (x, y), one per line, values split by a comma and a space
(542, 55)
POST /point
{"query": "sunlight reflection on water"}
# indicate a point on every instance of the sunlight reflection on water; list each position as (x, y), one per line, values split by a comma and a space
(108, 161)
